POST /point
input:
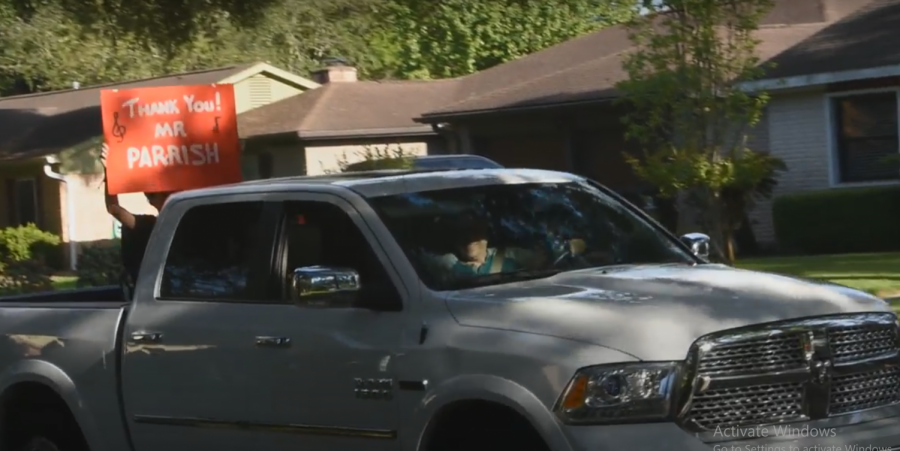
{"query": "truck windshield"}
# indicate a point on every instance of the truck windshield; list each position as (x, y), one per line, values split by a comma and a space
(476, 236)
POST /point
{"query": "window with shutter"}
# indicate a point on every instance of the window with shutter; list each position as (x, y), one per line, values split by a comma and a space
(866, 138)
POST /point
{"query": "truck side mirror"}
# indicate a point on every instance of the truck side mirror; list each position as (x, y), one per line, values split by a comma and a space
(699, 244)
(324, 287)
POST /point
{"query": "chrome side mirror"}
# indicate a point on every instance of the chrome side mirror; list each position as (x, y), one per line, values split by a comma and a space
(699, 244)
(324, 287)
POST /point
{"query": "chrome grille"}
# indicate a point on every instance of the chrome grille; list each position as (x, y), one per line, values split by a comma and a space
(769, 353)
(748, 405)
(796, 370)
(861, 391)
(860, 342)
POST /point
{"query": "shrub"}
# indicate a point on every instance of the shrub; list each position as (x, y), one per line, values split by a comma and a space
(24, 252)
(27, 242)
(373, 158)
(99, 266)
(839, 220)
(23, 276)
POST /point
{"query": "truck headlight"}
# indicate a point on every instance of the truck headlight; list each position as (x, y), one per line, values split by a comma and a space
(619, 393)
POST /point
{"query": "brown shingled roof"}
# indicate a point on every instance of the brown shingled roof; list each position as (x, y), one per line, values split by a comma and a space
(586, 69)
(345, 109)
(35, 125)
(868, 38)
(595, 79)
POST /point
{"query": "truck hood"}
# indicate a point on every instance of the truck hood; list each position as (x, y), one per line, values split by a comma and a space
(651, 312)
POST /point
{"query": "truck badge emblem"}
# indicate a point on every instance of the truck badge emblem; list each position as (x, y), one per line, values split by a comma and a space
(373, 388)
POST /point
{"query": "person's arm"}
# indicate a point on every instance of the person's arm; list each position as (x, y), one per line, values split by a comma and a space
(112, 201)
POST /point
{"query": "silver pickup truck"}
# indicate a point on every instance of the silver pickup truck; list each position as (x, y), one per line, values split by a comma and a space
(495, 309)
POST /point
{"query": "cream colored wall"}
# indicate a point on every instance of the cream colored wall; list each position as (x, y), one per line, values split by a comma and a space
(260, 90)
(92, 222)
(326, 159)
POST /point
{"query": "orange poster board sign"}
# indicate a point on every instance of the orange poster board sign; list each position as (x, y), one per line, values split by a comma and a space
(170, 138)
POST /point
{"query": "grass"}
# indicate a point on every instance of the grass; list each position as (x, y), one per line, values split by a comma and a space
(64, 282)
(878, 274)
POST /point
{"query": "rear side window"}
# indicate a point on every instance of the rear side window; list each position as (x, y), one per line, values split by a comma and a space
(212, 253)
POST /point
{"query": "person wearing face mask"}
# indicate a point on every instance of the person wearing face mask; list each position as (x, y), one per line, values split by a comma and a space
(136, 229)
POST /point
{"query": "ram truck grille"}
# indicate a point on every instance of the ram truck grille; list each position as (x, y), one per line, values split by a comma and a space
(793, 371)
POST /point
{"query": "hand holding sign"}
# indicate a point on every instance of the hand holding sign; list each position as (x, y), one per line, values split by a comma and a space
(171, 138)
(104, 154)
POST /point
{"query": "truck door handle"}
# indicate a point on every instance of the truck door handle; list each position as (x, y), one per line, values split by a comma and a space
(146, 337)
(273, 342)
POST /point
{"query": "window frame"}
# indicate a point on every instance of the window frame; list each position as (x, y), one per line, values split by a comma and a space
(35, 200)
(171, 218)
(833, 138)
(275, 288)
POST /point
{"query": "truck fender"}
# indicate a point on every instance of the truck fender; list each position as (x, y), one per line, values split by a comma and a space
(482, 387)
(53, 377)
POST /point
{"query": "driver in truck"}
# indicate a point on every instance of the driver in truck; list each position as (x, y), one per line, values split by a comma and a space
(472, 254)
(136, 228)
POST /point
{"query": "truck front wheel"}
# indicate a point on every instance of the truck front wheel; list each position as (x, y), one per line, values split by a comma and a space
(33, 417)
(39, 443)
(482, 426)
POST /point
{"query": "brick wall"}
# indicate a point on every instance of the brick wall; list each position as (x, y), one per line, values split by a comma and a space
(797, 133)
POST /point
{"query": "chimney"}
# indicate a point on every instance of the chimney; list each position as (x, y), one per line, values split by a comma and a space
(335, 71)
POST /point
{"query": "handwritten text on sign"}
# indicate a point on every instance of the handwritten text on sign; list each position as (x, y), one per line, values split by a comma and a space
(171, 138)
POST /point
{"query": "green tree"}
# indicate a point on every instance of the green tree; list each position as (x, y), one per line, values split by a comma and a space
(164, 24)
(687, 110)
(298, 36)
(48, 47)
(449, 38)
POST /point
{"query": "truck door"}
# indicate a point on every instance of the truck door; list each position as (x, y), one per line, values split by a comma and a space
(185, 383)
(324, 367)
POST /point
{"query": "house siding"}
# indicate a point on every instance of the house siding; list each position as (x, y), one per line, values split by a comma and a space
(796, 126)
(260, 90)
(326, 159)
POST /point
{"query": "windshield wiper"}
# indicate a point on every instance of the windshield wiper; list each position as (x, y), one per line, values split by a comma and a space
(507, 277)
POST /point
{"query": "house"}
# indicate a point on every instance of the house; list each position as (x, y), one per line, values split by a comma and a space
(833, 114)
(314, 133)
(49, 150)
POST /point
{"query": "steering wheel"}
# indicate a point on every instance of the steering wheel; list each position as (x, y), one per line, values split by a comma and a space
(566, 256)
(571, 258)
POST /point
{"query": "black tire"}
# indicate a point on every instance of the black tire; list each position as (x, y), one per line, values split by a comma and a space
(39, 443)
(492, 440)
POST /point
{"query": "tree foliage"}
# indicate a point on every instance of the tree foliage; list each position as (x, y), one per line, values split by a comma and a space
(449, 38)
(688, 112)
(49, 47)
(49, 44)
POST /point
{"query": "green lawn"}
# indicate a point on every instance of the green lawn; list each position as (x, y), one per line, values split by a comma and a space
(878, 274)
(64, 282)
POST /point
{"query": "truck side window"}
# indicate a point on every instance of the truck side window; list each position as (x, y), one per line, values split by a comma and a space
(212, 253)
(319, 233)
